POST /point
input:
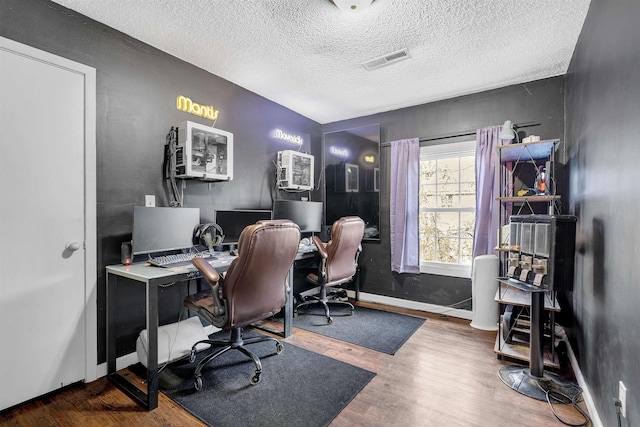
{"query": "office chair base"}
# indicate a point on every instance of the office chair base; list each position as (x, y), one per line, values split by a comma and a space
(235, 342)
(325, 304)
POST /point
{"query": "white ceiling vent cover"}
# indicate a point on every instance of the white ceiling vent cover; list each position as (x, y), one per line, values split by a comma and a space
(388, 59)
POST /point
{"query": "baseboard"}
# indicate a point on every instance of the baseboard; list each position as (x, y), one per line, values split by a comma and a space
(127, 360)
(132, 358)
(586, 392)
(414, 305)
(465, 314)
(121, 363)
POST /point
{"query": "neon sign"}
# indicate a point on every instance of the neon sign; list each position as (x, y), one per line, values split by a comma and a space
(294, 139)
(187, 105)
(340, 152)
(370, 158)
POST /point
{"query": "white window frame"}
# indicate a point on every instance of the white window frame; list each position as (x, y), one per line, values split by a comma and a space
(442, 151)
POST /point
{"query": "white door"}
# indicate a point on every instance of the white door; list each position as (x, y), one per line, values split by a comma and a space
(43, 341)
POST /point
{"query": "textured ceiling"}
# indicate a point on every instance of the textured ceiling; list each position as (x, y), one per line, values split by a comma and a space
(307, 54)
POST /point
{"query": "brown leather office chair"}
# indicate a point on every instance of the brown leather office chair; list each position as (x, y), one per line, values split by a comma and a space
(254, 288)
(339, 262)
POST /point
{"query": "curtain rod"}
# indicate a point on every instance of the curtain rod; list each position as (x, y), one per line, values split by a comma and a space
(462, 133)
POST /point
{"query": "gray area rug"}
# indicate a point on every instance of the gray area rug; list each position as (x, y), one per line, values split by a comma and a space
(297, 387)
(378, 330)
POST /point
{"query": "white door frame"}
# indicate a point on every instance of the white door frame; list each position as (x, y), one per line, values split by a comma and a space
(90, 233)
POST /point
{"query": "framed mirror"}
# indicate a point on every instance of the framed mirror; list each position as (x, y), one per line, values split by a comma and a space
(351, 159)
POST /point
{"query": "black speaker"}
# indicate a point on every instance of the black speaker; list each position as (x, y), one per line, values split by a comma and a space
(325, 234)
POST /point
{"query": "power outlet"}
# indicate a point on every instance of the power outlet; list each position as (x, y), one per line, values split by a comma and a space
(150, 201)
(622, 395)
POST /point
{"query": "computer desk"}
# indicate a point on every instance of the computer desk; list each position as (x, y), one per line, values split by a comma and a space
(153, 277)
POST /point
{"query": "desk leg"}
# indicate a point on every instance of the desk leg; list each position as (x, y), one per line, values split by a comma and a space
(287, 320)
(150, 399)
(112, 280)
(152, 354)
(288, 308)
(357, 284)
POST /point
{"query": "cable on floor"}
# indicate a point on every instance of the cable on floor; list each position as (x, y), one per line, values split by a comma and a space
(564, 399)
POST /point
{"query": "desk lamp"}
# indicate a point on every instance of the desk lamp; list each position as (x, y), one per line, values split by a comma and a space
(508, 131)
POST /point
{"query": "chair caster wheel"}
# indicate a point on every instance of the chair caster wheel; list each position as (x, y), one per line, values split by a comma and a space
(329, 320)
(255, 379)
(197, 382)
(279, 348)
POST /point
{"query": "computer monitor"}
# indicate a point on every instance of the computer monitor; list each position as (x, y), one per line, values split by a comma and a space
(308, 215)
(163, 229)
(234, 221)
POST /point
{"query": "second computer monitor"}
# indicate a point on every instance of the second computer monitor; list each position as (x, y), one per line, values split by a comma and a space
(308, 215)
(234, 221)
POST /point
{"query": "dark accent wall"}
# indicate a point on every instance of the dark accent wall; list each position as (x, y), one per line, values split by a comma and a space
(603, 128)
(539, 101)
(137, 86)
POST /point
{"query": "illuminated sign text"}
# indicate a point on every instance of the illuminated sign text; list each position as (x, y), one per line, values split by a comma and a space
(294, 139)
(187, 105)
(370, 159)
(341, 152)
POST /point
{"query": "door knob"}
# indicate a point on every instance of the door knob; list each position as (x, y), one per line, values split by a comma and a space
(72, 246)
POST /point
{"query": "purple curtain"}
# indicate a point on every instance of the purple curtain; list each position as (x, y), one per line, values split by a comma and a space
(485, 236)
(405, 174)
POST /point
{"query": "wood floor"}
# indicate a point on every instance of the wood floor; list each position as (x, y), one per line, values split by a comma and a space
(444, 375)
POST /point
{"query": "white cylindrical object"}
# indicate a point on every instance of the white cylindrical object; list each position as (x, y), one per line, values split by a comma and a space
(484, 285)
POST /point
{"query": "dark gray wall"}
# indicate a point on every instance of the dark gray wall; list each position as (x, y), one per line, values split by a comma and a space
(137, 86)
(603, 111)
(136, 90)
(540, 101)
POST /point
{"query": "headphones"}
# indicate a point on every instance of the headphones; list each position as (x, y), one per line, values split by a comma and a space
(208, 235)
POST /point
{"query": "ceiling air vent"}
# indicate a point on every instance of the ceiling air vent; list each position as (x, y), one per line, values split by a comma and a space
(388, 59)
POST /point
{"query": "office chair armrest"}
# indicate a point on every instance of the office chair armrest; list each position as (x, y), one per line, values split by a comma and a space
(213, 278)
(209, 273)
(322, 247)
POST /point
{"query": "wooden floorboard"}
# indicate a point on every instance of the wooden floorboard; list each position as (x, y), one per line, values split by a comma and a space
(446, 374)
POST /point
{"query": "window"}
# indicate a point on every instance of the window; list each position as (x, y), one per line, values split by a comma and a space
(447, 208)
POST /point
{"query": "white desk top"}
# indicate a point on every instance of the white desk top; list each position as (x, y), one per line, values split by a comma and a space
(145, 271)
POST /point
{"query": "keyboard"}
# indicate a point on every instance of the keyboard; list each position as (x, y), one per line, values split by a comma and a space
(177, 260)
